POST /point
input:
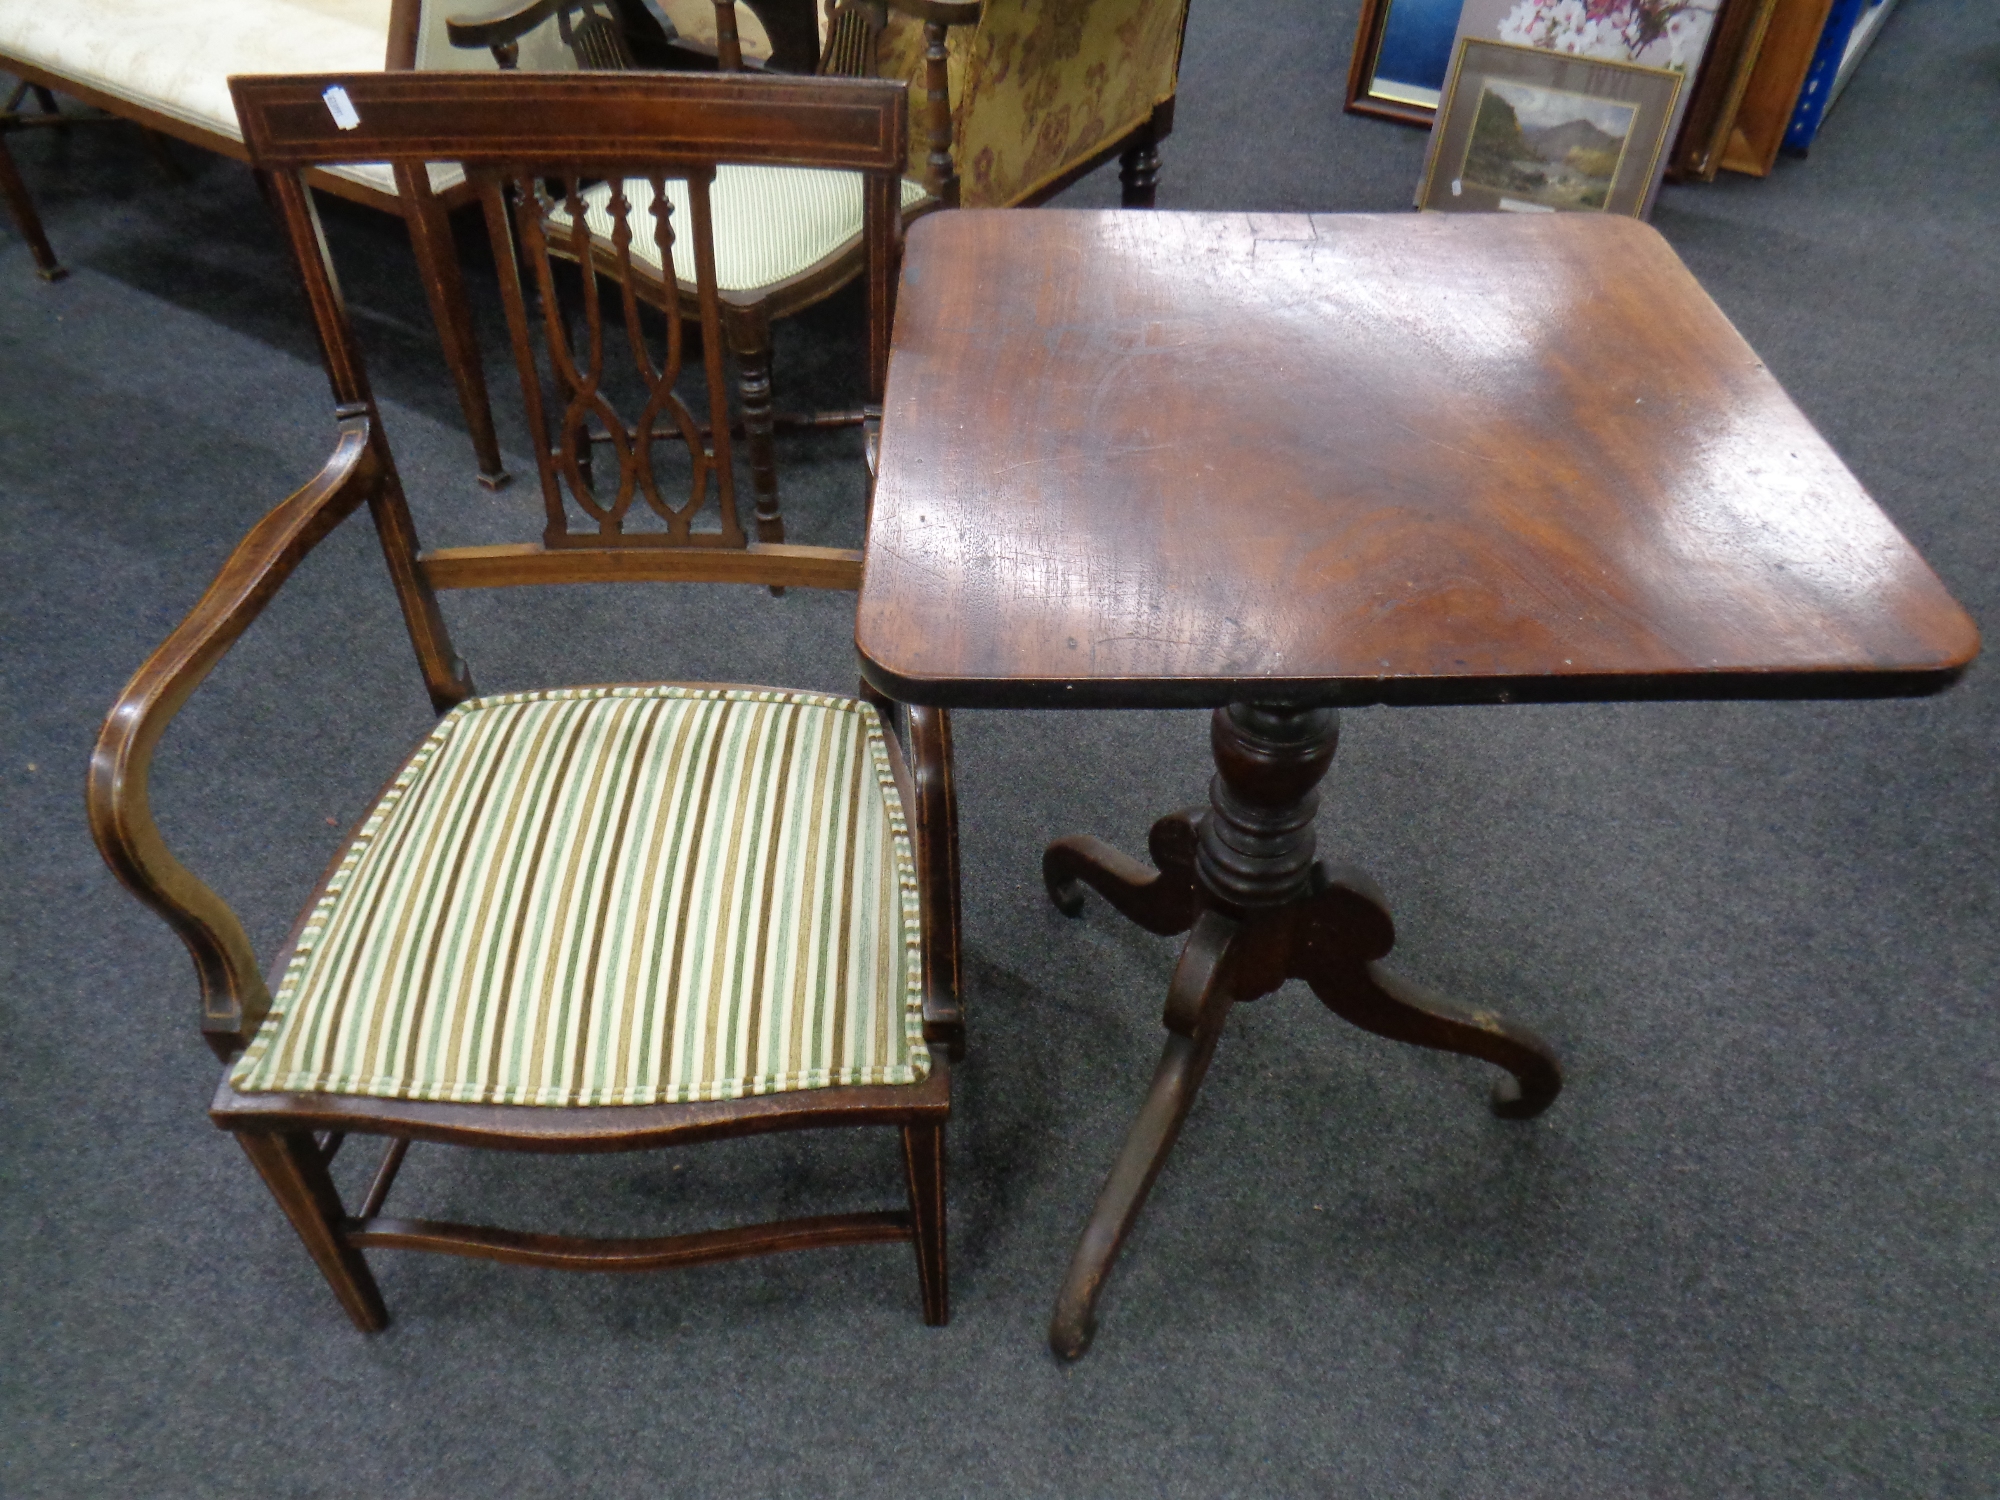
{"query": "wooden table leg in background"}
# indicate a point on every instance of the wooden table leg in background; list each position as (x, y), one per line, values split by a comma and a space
(1241, 880)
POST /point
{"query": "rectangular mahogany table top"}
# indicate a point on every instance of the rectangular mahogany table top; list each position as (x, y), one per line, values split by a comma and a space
(1160, 458)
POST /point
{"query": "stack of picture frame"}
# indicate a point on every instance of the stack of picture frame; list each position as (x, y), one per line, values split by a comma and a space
(1749, 95)
(1402, 54)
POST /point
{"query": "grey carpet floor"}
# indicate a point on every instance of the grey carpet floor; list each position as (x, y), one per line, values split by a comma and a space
(1752, 1250)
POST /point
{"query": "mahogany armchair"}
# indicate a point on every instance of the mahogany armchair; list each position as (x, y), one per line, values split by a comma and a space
(582, 919)
(1045, 91)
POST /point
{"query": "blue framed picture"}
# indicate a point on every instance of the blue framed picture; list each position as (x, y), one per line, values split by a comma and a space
(1402, 52)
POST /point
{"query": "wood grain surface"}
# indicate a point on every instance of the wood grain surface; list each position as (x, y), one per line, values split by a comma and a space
(1135, 458)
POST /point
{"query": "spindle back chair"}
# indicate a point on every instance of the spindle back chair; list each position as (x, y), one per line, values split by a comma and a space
(785, 239)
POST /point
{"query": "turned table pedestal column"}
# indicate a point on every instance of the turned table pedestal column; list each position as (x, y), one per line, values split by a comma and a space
(1240, 879)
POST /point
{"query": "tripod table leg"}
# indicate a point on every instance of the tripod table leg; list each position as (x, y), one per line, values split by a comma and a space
(1160, 900)
(1197, 1005)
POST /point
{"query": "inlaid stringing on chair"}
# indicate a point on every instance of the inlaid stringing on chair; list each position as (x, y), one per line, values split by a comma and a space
(588, 919)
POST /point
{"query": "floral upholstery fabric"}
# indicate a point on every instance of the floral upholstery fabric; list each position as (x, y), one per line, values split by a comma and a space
(1038, 85)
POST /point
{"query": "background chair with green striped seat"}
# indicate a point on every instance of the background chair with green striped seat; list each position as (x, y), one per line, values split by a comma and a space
(785, 239)
(580, 919)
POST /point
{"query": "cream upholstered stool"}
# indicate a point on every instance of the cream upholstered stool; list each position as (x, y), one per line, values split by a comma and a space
(168, 66)
(167, 63)
(614, 896)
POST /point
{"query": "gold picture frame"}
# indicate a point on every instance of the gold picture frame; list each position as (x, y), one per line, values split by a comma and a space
(1525, 130)
(1402, 54)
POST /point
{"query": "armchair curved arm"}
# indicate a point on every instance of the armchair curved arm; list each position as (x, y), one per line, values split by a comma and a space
(792, 26)
(234, 998)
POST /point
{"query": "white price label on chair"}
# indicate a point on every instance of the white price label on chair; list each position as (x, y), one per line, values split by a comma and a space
(341, 108)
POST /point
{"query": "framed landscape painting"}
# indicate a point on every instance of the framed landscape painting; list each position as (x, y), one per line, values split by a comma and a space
(1523, 130)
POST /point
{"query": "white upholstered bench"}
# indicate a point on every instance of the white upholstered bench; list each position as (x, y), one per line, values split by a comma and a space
(165, 64)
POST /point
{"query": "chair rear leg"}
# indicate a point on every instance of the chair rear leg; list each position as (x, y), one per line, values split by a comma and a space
(26, 219)
(444, 286)
(295, 1172)
(923, 1164)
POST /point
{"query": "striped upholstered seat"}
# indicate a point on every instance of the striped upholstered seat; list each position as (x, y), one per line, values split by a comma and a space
(615, 895)
(771, 223)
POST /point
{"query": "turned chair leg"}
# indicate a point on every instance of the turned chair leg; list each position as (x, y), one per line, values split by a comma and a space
(1139, 163)
(923, 1164)
(294, 1169)
(26, 219)
(1139, 174)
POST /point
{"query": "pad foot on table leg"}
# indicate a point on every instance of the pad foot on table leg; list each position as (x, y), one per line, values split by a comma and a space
(1160, 900)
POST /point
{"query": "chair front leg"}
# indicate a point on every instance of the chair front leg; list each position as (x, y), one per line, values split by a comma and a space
(1139, 163)
(15, 191)
(294, 1169)
(923, 1163)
